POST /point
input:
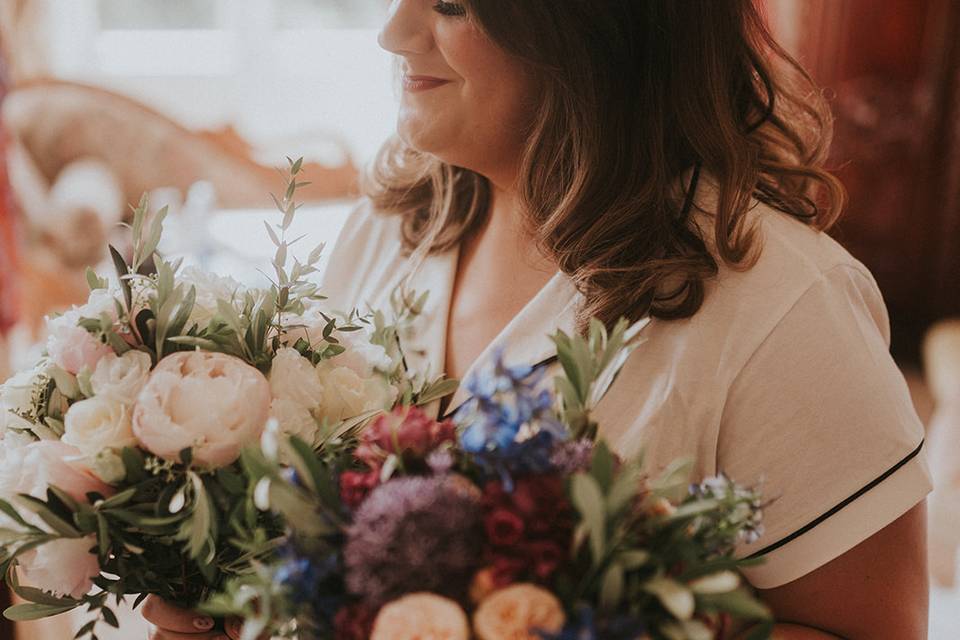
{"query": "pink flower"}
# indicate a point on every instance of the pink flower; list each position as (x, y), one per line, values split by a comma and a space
(406, 431)
(355, 486)
(72, 348)
(211, 402)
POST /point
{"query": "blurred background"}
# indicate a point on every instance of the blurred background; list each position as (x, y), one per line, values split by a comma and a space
(196, 102)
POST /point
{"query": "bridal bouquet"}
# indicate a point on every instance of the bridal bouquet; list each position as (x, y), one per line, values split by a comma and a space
(119, 470)
(510, 521)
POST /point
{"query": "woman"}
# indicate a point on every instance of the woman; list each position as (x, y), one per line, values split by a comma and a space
(562, 160)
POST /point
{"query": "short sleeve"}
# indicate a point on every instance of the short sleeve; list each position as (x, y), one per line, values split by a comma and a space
(821, 416)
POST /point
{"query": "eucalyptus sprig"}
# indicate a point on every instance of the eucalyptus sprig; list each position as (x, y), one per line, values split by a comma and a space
(590, 366)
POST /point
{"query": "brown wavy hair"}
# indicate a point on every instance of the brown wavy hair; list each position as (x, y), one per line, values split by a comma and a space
(639, 97)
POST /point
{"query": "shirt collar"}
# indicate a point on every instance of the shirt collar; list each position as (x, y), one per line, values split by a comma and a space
(524, 340)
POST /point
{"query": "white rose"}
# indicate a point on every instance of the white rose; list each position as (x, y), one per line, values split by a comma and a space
(16, 398)
(294, 378)
(98, 423)
(212, 402)
(64, 566)
(361, 355)
(121, 377)
(210, 288)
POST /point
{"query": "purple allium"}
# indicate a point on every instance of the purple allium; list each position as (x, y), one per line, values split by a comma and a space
(572, 456)
(415, 534)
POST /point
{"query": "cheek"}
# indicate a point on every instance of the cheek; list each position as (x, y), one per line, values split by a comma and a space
(496, 89)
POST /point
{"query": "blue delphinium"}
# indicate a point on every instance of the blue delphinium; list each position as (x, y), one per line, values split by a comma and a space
(310, 582)
(586, 627)
(509, 423)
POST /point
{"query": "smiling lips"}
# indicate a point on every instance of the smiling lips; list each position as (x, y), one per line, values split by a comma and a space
(422, 83)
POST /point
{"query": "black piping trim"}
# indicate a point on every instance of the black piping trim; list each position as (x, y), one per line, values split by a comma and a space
(799, 532)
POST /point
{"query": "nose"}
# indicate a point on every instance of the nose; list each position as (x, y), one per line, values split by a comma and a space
(406, 30)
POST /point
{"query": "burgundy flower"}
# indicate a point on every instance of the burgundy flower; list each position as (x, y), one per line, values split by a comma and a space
(546, 557)
(355, 486)
(504, 528)
(528, 530)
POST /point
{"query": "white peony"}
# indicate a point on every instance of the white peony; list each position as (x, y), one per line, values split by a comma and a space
(98, 423)
(212, 402)
(121, 378)
(210, 288)
(41, 463)
(64, 566)
(361, 355)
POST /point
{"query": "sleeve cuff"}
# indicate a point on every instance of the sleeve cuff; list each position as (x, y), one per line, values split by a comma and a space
(844, 526)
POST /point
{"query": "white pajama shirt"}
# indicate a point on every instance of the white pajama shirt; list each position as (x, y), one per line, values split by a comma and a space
(782, 378)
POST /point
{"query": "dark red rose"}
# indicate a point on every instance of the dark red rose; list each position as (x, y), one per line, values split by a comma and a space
(353, 622)
(355, 486)
(504, 528)
(507, 570)
(545, 557)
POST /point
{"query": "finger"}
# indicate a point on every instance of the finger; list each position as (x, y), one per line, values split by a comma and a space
(234, 628)
(168, 617)
(161, 634)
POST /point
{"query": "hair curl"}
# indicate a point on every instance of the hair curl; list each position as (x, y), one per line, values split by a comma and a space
(638, 98)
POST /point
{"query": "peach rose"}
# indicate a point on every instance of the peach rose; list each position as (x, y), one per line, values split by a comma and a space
(421, 616)
(518, 612)
(212, 402)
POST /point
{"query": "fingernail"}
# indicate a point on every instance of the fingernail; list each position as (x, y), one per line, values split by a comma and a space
(203, 623)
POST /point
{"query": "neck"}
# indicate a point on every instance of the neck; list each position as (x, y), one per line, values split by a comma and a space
(506, 237)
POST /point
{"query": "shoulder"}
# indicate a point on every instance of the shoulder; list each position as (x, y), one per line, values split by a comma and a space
(800, 274)
(366, 259)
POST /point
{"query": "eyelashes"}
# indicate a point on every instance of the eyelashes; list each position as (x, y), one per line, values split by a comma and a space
(449, 8)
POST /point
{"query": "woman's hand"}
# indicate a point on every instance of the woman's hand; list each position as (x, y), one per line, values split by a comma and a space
(169, 622)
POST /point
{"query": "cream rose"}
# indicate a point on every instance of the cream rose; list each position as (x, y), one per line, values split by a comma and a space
(346, 394)
(520, 612)
(421, 616)
(64, 566)
(294, 378)
(98, 423)
(212, 402)
(121, 378)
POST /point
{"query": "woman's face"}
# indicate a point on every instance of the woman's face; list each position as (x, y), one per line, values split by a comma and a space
(465, 100)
